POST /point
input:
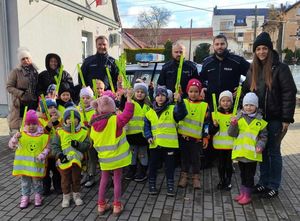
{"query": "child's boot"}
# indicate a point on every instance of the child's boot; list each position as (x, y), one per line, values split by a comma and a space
(240, 196)
(152, 186)
(142, 174)
(38, 200)
(24, 202)
(66, 200)
(103, 207)
(170, 187)
(131, 172)
(78, 201)
(118, 208)
(183, 179)
(196, 181)
(246, 197)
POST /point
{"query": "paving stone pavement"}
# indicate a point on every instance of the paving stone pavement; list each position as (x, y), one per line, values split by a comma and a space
(207, 204)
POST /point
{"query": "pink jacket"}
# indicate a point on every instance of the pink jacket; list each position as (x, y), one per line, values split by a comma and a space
(122, 119)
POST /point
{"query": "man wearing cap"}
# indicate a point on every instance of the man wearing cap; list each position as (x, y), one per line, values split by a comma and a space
(94, 67)
(168, 74)
(22, 85)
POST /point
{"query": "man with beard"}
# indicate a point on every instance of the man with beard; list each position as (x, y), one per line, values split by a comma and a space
(168, 74)
(94, 67)
(222, 70)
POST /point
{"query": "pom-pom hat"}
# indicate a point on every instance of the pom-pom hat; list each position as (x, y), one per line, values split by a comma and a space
(31, 117)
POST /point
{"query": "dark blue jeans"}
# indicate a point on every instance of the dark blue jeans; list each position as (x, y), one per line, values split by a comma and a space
(271, 167)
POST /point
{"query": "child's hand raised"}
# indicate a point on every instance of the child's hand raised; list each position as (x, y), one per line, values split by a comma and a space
(150, 140)
(129, 93)
(215, 122)
(177, 97)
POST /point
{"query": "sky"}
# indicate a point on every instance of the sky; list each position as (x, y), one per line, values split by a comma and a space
(200, 11)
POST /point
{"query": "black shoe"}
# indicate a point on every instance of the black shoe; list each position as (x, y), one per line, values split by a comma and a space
(170, 191)
(220, 185)
(152, 190)
(269, 194)
(227, 187)
(58, 191)
(259, 189)
(130, 174)
(47, 192)
(140, 177)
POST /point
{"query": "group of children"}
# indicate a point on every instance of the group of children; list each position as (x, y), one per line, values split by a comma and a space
(139, 135)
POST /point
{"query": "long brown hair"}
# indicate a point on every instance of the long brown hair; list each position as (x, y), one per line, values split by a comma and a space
(266, 68)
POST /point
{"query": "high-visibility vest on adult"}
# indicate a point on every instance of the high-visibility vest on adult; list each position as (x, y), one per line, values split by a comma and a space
(73, 155)
(25, 162)
(192, 124)
(221, 139)
(136, 123)
(113, 152)
(163, 128)
(244, 145)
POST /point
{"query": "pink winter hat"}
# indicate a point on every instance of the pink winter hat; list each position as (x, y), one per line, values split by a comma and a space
(110, 94)
(31, 117)
(104, 104)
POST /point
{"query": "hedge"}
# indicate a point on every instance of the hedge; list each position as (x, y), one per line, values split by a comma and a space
(130, 53)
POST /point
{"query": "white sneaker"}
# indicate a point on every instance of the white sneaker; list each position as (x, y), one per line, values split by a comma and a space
(78, 201)
(84, 179)
(66, 200)
(91, 182)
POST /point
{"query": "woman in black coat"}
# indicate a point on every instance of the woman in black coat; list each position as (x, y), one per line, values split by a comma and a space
(274, 85)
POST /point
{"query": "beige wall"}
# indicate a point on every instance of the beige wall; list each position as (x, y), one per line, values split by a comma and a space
(292, 18)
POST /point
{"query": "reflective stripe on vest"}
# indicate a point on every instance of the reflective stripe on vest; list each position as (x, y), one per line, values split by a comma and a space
(113, 153)
(245, 143)
(73, 155)
(25, 161)
(163, 128)
(136, 123)
(192, 124)
(221, 140)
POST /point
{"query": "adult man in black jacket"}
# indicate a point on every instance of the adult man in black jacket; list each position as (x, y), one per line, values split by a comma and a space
(168, 74)
(222, 70)
(94, 66)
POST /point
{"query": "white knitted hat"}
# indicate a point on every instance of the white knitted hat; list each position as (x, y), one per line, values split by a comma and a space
(250, 98)
(226, 94)
(86, 91)
(23, 53)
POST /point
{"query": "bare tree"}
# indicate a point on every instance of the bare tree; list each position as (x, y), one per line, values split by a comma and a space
(153, 21)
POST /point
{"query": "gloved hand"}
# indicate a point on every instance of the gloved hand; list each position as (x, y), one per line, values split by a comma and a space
(86, 124)
(258, 149)
(63, 158)
(41, 157)
(75, 144)
(234, 121)
(205, 141)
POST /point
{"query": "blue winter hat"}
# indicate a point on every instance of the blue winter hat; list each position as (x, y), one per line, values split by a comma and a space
(49, 103)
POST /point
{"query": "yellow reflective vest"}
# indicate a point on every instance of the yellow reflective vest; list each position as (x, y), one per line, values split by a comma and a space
(221, 140)
(113, 152)
(88, 115)
(25, 162)
(192, 124)
(163, 128)
(244, 145)
(73, 155)
(136, 123)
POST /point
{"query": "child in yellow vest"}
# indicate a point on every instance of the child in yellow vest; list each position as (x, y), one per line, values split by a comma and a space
(134, 133)
(64, 96)
(160, 131)
(222, 142)
(100, 86)
(50, 128)
(109, 137)
(193, 133)
(67, 145)
(250, 131)
(87, 96)
(31, 147)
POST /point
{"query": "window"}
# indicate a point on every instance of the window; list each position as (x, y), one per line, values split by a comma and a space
(257, 24)
(87, 44)
(240, 21)
(114, 39)
(226, 25)
(240, 34)
(298, 11)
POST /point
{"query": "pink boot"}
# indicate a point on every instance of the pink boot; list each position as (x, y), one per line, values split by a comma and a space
(240, 196)
(38, 200)
(246, 199)
(24, 202)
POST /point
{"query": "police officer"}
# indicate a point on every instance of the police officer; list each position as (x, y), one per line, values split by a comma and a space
(168, 74)
(222, 70)
(94, 66)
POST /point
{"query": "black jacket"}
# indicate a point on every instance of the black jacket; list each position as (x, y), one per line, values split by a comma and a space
(220, 75)
(168, 75)
(279, 102)
(94, 66)
(46, 77)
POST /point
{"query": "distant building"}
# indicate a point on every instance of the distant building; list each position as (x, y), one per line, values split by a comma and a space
(197, 35)
(238, 24)
(68, 28)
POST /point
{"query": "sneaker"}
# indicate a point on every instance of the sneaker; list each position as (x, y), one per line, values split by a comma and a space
(77, 199)
(170, 191)
(269, 194)
(38, 201)
(84, 179)
(130, 174)
(259, 189)
(91, 182)
(140, 177)
(103, 207)
(24, 202)
(152, 190)
(118, 208)
(227, 187)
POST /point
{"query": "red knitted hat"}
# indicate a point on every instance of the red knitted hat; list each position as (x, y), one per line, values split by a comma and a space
(194, 82)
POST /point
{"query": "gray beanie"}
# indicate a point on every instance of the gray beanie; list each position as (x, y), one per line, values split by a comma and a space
(250, 98)
(141, 86)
